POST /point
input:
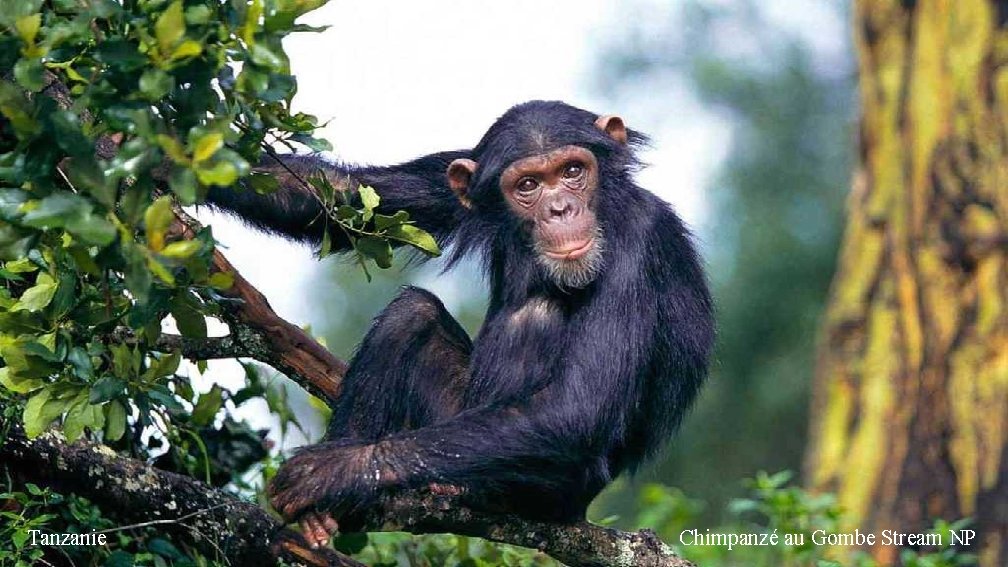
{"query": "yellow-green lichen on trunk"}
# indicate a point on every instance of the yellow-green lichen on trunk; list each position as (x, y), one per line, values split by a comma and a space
(911, 407)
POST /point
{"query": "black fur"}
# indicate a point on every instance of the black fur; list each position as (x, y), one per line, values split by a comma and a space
(562, 390)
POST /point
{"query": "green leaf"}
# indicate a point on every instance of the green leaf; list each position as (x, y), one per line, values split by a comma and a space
(369, 200)
(183, 184)
(119, 558)
(161, 271)
(187, 48)
(37, 297)
(28, 27)
(115, 421)
(164, 548)
(80, 360)
(122, 360)
(138, 275)
(377, 249)
(262, 55)
(92, 229)
(162, 366)
(88, 174)
(263, 183)
(74, 213)
(30, 74)
(170, 27)
(106, 389)
(416, 237)
(326, 247)
(384, 221)
(191, 322)
(68, 134)
(313, 143)
(22, 266)
(164, 396)
(221, 280)
(155, 84)
(173, 148)
(157, 219)
(17, 384)
(221, 173)
(77, 418)
(19, 538)
(208, 405)
(182, 249)
(346, 212)
(53, 210)
(197, 15)
(40, 411)
(207, 145)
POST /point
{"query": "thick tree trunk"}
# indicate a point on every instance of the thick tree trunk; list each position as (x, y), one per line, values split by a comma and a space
(911, 404)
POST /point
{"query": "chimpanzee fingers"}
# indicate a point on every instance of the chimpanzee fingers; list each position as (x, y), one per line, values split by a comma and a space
(288, 498)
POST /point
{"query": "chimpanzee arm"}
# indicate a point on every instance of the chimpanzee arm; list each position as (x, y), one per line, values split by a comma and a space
(294, 211)
(484, 449)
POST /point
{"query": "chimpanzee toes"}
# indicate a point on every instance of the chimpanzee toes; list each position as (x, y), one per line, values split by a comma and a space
(442, 489)
(317, 528)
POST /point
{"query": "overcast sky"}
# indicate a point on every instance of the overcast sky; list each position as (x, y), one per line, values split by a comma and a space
(398, 79)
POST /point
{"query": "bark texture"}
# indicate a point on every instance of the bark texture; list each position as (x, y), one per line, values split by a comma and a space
(911, 398)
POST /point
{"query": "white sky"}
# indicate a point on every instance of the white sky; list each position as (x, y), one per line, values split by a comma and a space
(401, 79)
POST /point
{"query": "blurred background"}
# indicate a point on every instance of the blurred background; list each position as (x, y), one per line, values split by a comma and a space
(750, 106)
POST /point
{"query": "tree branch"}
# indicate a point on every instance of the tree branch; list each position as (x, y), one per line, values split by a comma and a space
(217, 523)
(265, 336)
(213, 521)
(581, 543)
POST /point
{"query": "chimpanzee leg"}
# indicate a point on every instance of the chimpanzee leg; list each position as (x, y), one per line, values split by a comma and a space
(408, 372)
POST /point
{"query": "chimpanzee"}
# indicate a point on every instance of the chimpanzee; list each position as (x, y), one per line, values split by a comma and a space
(595, 342)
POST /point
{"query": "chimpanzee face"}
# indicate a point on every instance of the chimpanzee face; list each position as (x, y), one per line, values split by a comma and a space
(553, 196)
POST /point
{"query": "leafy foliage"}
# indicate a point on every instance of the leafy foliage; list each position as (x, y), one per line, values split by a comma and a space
(85, 236)
(112, 116)
(370, 233)
(775, 506)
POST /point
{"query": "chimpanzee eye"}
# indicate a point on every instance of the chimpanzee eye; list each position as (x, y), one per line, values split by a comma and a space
(527, 185)
(573, 170)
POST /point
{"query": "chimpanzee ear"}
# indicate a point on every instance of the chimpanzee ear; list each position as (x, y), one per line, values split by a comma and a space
(460, 173)
(613, 125)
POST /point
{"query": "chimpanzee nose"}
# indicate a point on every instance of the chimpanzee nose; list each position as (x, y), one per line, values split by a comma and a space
(560, 208)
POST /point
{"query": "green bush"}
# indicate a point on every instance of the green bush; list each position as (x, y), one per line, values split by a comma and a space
(112, 116)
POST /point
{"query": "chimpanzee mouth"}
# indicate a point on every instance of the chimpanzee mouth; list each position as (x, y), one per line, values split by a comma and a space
(574, 252)
(577, 266)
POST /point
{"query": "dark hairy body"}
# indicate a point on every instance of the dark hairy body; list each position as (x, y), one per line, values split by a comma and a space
(596, 339)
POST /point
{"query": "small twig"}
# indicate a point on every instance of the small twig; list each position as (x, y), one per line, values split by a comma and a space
(178, 520)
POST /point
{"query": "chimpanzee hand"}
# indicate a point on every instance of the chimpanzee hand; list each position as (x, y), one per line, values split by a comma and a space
(323, 482)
